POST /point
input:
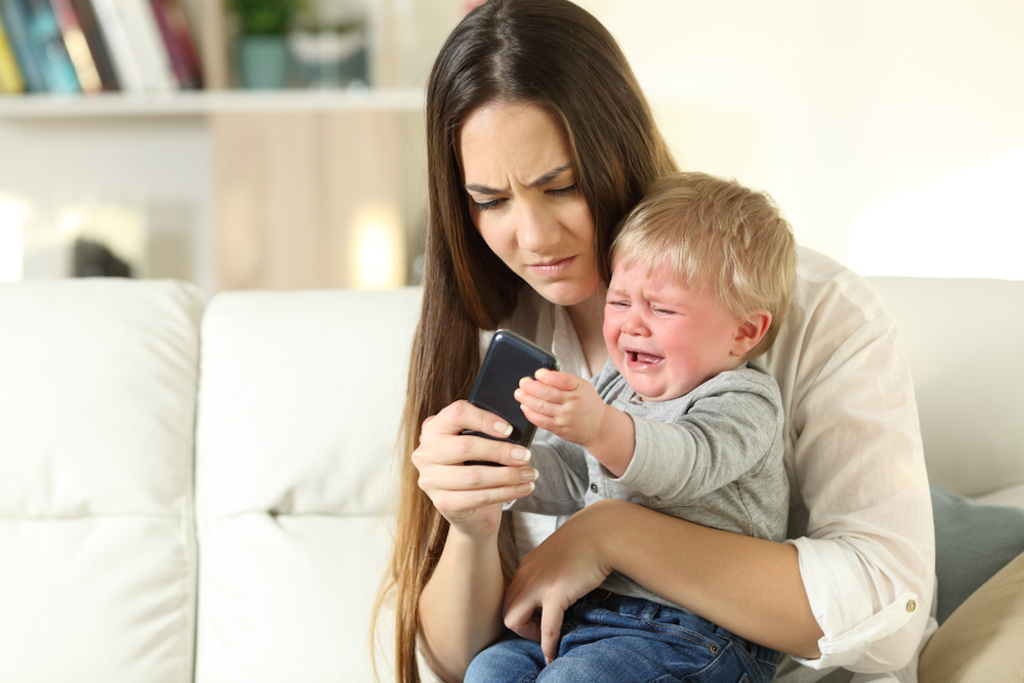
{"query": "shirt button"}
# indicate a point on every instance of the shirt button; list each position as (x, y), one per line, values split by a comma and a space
(911, 605)
(593, 487)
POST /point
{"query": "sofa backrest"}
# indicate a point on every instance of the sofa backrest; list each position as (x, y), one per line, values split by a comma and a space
(97, 550)
(962, 338)
(299, 403)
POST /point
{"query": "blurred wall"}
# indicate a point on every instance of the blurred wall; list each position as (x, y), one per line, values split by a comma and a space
(892, 133)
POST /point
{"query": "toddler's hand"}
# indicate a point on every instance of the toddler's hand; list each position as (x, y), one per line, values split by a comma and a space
(563, 404)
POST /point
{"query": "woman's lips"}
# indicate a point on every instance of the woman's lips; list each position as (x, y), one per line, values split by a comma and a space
(552, 268)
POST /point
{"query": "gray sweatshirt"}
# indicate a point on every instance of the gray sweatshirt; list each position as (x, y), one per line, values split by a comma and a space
(713, 456)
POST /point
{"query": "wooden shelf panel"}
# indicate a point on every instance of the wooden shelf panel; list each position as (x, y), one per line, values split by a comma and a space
(297, 192)
(201, 103)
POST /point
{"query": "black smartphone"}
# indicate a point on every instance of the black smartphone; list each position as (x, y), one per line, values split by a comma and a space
(509, 358)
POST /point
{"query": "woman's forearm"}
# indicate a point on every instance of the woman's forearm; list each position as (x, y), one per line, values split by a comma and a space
(460, 607)
(749, 586)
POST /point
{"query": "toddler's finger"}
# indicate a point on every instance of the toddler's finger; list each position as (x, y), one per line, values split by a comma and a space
(566, 381)
(541, 390)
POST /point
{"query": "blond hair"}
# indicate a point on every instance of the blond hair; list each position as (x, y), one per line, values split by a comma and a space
(716, 236)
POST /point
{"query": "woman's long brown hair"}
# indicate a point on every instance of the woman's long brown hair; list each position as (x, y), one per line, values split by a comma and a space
(553, 54)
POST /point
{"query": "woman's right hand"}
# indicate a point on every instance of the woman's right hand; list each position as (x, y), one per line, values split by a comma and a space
(470, 496)
(460, 606)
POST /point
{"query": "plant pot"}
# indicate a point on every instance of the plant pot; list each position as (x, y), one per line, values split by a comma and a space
(263, 61)
(328, 58)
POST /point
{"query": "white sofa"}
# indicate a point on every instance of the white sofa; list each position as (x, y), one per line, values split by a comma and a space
(200, 491)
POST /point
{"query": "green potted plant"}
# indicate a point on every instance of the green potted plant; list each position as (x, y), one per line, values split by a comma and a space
(262, 47)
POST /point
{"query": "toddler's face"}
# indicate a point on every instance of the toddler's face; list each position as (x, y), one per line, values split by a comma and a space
(663, 338)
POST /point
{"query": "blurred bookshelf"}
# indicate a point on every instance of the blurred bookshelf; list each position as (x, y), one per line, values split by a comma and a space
(268, 187)
(54, 63)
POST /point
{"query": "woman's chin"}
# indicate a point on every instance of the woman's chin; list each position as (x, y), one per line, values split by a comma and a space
(565, 292)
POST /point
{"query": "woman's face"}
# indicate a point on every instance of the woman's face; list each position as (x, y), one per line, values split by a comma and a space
(521, 185)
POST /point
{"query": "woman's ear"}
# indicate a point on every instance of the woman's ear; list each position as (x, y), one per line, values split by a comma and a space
(751, 330)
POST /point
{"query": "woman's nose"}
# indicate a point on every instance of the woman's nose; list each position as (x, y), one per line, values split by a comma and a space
(537, 229)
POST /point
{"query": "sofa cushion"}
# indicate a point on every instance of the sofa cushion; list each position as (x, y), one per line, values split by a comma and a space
(972, 543)
(299, 404)
(97, 550)
(981, 641)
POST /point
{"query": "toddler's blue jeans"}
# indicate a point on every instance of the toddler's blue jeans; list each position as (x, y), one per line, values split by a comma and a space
(609, 638)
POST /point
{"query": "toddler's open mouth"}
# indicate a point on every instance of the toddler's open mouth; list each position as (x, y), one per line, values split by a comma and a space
(644, 358)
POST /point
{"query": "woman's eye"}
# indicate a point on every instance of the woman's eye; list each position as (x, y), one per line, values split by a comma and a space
(484, 206)
(564, 190)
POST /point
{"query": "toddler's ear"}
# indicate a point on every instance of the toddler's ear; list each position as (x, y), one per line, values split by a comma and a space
(750, 331)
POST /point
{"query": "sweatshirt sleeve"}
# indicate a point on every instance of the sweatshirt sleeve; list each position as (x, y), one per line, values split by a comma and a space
(728, 429)
(562, 478)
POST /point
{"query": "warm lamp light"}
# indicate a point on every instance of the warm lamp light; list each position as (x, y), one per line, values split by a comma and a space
(379, 249)
(12, 241)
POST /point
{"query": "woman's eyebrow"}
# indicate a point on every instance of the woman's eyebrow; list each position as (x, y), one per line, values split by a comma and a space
(542, 180)
(550, 175)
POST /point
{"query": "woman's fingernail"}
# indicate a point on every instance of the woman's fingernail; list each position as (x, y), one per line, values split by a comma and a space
(523, 489)
(521, 454)
(518, 395)
(528, 474)
(523, 381)
(540, 373)
(503, 428)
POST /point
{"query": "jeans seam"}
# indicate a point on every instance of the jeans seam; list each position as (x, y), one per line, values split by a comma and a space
(752, 660)
(680, 632)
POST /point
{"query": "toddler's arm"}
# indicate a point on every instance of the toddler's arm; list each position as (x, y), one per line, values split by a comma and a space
(570, 407)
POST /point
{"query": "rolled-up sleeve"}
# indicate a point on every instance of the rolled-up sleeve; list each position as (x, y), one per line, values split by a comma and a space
(858, 635)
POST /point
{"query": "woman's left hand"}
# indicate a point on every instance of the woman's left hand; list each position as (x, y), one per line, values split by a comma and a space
(561, 570)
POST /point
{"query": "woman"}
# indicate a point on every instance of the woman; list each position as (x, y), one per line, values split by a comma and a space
(539, 141)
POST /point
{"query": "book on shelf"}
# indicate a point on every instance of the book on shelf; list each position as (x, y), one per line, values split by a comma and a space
(77, 46)
(174, 29)
(16, 20)
(122, 55)
(97, 43)
(47, 44)
(147, 45)
(11, 81)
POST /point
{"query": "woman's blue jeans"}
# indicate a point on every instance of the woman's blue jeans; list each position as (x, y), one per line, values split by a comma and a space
(608, 638)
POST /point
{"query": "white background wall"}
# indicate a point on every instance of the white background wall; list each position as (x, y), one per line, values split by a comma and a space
(891, 132)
